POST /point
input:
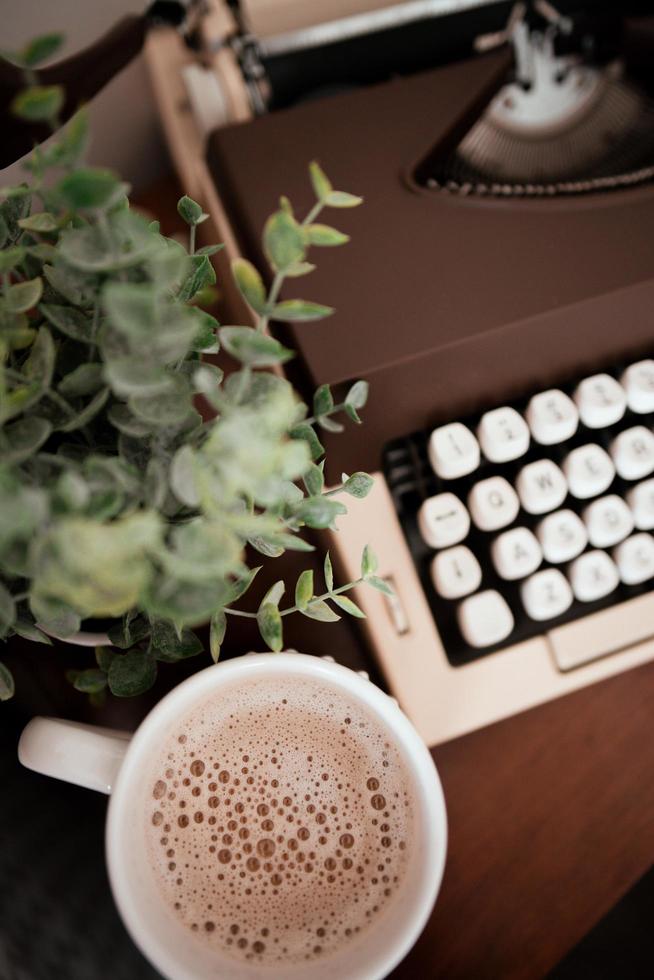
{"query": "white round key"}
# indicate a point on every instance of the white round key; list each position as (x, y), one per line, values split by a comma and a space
(601, 401)
(493, 503)
(641, 500)
(588, 470)
(485, 619)
(633, 453)
(546, 594)
(562, 536)
(593, 575)
(503, 435)
(541, 486)
(552, 417)
(608, 520)
(516, 553)
(638, 382)
(635, 558)
(443, 520)
(455, 572)
(453, 451)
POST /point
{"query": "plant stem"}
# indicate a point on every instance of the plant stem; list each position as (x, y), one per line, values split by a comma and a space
(332, 411)
(278, 281)
(191, 240)
(293, 609)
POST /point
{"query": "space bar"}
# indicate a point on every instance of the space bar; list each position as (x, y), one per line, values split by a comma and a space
(604, 632)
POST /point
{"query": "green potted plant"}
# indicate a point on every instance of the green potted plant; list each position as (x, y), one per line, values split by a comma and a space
(118, 500)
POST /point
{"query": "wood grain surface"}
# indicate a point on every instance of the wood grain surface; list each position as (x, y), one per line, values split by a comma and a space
(551, 822)
(550, 812)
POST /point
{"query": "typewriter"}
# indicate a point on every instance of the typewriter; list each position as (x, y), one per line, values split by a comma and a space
(499, 299)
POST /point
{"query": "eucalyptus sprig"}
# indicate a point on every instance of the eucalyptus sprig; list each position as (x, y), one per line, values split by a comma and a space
(117, 500)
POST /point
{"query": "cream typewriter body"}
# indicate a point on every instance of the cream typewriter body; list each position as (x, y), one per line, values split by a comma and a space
(498, 294)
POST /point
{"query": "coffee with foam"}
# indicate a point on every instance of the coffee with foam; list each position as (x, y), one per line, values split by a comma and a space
(280, 820)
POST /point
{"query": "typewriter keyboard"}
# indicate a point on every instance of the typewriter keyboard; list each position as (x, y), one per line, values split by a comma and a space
(532, 514)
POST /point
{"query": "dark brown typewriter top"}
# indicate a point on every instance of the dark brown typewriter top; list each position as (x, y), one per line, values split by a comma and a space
(445, 303)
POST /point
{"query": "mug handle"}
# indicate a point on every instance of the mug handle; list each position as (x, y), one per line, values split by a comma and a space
(86, 755)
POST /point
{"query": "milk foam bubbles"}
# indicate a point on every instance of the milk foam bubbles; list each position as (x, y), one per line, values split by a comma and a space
(279, 817)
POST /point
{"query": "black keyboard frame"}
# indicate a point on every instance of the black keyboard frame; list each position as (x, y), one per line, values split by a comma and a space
(411, 480)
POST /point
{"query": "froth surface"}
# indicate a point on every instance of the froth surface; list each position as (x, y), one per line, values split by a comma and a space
(278, 820)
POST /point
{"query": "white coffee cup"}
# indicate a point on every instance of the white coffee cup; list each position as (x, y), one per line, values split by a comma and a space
(116, 763)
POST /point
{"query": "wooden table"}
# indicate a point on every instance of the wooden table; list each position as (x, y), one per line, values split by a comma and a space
(550, 817)
(550, 812)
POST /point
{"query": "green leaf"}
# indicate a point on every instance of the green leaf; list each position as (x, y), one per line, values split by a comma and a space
(38, 50)
(42, 221)
(54, 616)
(189, 210)
(40, 103)
(323, 401)
(7, 610)
(6, 683)
(304, 588)
(318, 609)
(286, 205)
(292, 310)
(283, 241)
(357, 396)
(329, 424)
(169, 646)
(131, 307)
(341, 199)
(269, 622)
(104, 657)
(23, 439)
(299, 269)
(67, 282)
(86, 414)
(265, 546)
(217, 631)
(28, 631)
(249, 346)
(43, 252)
(358, 485)
(83, 380)
(329, 573)
(39, 366)
(202, 274)
(22, 296)
(68, 320)
(132, 673)
(322, 187)
(274, 594)
(241, 585)
(89, 681)
(209, 249)
(314, 480)
(88, 188)
(348, 606)
(129, 377)
(324, 235)
(129, 631)
(306, 432)
(11, 257)
(292, 542)
(319, 512)
(379, 584)
(204, 339)
(165, 409)
(71, 145)
(368, 562)
(250, 284)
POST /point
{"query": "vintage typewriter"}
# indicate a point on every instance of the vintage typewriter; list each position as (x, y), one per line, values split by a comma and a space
(498, 295)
